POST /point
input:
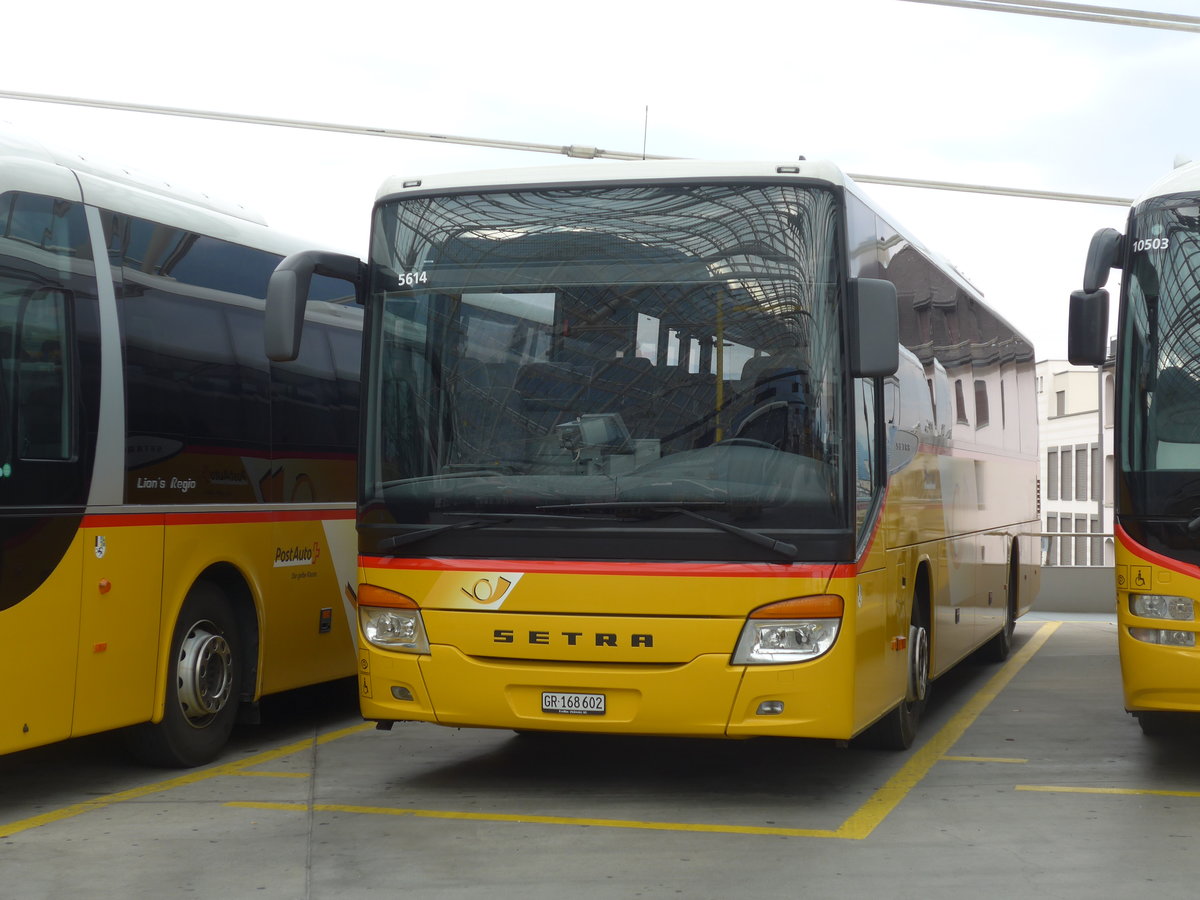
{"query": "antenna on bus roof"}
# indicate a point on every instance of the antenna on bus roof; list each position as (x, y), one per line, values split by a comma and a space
(645, 130)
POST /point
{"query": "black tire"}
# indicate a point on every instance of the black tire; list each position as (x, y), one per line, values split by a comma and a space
(203, 686)
(997, 649)
(1165, 724)
(898, 729)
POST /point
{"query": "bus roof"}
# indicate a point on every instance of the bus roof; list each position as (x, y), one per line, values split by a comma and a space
(117, 188)
(637, 170)
(1183, 180)
(19, 146)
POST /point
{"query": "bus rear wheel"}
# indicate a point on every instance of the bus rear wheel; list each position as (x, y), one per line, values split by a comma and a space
(203, 683)
(997, 649)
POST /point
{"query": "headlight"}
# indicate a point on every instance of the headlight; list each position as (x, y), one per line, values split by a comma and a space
(1164, 636)
(791, 631)
(391, 620)
(394, 629)
(1162, 606)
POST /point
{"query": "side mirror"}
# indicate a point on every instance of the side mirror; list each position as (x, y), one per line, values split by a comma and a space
(1103, 255)
(874, 328)
(1087, 329)
(287, 295)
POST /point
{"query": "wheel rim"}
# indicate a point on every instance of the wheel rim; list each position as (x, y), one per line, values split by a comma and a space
(918, 663)
(205, 673)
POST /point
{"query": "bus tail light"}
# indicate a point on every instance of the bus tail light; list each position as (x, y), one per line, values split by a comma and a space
(790, 631)
(390, 620)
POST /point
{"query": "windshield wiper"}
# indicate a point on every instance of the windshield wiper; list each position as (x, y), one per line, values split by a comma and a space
(477, 520)
(413, 536)
(754, 537)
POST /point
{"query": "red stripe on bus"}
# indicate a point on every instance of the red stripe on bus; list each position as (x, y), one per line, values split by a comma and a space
(217, 517)
(1157, 559)
(585, 567)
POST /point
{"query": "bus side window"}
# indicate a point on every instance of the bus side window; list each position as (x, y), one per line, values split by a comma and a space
(44, 422)
(866, 474)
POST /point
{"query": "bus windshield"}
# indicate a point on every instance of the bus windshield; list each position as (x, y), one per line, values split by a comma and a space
(1159, 361)
(574, 359)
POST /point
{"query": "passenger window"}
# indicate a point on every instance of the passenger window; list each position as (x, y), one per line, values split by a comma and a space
(44, 419)
(866, 475)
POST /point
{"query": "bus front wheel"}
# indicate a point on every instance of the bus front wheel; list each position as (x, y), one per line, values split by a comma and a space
(203, 682)
(898, 729)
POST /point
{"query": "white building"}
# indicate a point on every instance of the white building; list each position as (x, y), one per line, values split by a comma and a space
(1075, 425)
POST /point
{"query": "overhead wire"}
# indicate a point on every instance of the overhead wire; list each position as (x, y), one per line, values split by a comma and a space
(575, 151)
(1080, 12)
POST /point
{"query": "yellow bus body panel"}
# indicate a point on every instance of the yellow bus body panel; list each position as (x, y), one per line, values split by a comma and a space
(666, 673)
(88, 650)
(120, 622)
(39, 638)
(1153, 676)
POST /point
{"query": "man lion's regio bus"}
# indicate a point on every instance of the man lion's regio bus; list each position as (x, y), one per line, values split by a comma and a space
(678, 448)
(176, 518)
(1156, 501)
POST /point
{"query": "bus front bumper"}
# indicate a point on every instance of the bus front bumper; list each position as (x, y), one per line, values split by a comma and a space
(1158, 677)
(706, 697)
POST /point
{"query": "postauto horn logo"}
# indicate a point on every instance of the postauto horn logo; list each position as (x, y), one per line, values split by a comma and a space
(297, 556)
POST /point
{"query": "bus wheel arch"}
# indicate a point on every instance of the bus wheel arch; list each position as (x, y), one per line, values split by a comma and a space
(898, 728)
(997, 649)
(211, 669)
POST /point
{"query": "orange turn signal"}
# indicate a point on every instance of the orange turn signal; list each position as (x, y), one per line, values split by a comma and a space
(818, 606)
(370, 595)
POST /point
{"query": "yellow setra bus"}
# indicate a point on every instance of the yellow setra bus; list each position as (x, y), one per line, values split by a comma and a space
(678, 448)
(176, 515)
(1156, 503)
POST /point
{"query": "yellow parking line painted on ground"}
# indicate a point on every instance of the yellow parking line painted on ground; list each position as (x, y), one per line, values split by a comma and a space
(194, 777)
(857, 827)
(884, 800)
(272, 774)
(985, 759)
(538, 820)
(1129, 792)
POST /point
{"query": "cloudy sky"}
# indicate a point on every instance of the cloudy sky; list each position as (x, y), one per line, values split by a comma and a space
(882, 87)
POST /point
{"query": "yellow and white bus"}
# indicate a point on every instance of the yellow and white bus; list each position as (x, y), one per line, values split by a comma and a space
(678, 448)
(1156, 501)
(176, 515)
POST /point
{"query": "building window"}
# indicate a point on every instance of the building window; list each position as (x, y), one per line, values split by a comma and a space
(1081, 545)
(982, 416)
(1060, 403)
(960, 403)
(1097, 543)
(1067, 481)
(1109, 468)
(1052, 474)
(1081, 473)
(1051, 541)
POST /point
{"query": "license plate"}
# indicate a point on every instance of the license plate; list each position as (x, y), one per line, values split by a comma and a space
(573, 704)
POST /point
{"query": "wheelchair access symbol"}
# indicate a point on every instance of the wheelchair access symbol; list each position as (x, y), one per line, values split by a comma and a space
(1140, 578)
